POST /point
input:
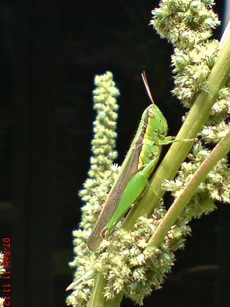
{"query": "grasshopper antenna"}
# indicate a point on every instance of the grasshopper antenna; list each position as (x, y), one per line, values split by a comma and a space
(144, 78)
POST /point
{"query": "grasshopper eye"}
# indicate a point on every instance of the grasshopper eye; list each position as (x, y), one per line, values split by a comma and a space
(151, 113)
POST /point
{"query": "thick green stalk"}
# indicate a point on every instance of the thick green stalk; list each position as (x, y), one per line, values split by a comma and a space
(116, 302)
(97, 299)
(177, 153)
(219, 152)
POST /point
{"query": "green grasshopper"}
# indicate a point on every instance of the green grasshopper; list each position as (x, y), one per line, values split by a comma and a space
(136, 169)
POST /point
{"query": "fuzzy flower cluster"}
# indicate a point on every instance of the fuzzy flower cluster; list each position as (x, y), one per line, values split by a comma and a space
(100, 178)
(100, 175)
(216, 187)
(188, 25)
(132, 268)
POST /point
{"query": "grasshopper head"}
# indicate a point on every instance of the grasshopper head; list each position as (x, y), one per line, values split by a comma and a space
(156, 123)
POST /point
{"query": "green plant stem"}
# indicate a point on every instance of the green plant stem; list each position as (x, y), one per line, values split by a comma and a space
(220, 151)
(97, 299)
(116, 302)
(177, 153)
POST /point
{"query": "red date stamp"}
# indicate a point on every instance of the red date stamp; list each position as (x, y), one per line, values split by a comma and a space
(6, 276)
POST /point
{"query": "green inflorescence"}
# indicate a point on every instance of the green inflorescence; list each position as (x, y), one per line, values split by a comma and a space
(100, 178)
(188, 26)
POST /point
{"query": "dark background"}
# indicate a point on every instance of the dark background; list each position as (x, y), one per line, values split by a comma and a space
(50, 52)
